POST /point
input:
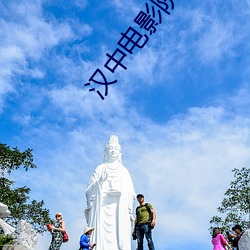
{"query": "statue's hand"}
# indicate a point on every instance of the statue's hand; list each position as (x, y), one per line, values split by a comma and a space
(132, 217)
(90, 202)
(104, 176)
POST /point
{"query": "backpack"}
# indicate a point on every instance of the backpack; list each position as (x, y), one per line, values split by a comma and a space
(149, 212)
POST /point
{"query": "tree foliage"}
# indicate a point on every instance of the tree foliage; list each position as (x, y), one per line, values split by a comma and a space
(17, 199)
(235, 206)
(12, 159)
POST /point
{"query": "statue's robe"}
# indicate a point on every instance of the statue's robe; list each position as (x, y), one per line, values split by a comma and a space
(110, 197)
(244, 242)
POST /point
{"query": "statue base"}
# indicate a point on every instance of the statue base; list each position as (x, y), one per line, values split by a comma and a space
(12, 247)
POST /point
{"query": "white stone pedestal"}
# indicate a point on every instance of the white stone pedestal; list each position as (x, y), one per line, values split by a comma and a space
(13, 247)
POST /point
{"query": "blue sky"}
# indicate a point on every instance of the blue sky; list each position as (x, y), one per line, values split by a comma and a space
(181, 109)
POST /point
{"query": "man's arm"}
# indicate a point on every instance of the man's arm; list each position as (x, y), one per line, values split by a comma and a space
(154, 217)
(135, 222)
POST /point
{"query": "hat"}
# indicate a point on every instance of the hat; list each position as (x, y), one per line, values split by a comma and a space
(59, 213)
(237, 227)
(140, 195)
(87, 229)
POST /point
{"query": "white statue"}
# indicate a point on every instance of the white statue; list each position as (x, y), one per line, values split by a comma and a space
(25, 235)
(244, 242)
(4, 212)
(110, 197)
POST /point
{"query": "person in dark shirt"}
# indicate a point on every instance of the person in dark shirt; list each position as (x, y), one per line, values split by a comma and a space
(236, 237)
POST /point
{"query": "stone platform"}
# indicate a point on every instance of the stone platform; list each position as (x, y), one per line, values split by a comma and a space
(13, 247)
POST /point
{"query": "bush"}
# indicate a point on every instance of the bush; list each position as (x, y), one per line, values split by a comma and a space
(6, 240)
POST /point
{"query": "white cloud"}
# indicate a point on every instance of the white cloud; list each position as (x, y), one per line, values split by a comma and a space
(198, 20)
(130, 9)
(81, 3)
(239, 102)
(25, 39)
(74, 101)
(217, 42)
(208, 33)
(140, 66)
(32, 33)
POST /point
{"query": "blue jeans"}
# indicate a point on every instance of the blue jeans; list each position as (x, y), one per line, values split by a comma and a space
(142, 230)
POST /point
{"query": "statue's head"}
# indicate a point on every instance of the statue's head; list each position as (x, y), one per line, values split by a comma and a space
(4, 211)
(113, 150)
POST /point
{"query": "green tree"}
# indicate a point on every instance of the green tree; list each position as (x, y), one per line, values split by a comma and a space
(17, 199)
(235, 207)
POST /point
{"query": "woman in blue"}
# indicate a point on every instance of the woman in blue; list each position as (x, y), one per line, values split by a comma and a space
(56, 231)
(84, 240)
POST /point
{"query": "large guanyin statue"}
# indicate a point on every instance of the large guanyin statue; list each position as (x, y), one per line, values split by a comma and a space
(110, 197)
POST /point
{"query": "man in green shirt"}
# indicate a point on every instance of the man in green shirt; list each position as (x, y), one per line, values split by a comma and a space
(144, 223)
